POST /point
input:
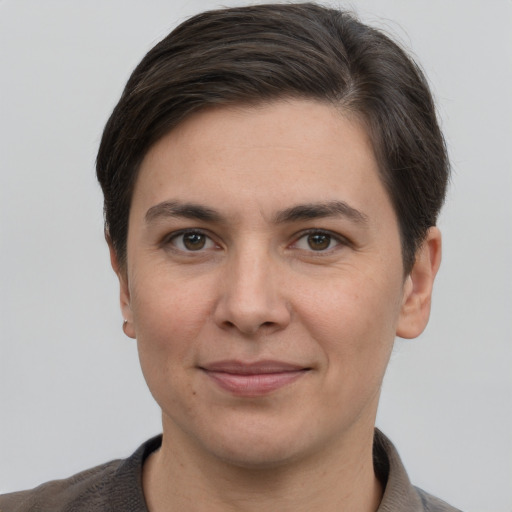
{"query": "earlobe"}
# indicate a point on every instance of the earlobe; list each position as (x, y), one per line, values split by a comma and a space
(124, 291)
(415, 309)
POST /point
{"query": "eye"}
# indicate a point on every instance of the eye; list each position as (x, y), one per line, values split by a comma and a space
(189, 241)
(317, 241)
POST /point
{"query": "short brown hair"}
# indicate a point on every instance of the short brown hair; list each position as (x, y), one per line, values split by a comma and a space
(253, 54)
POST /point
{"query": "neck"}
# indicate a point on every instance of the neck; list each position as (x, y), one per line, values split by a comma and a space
(342, 479)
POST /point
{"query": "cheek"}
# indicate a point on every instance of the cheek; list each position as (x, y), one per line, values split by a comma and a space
(168, 316)
(353, 329)
(169, 320)
(354, 323)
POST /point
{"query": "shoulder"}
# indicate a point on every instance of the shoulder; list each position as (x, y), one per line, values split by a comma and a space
(433, 504)
(87, 490)
(399, 494)
(113, 486)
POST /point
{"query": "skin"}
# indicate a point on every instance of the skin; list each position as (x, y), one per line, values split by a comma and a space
(251, 282)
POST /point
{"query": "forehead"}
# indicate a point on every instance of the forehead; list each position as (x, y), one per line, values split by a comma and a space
(265, 156)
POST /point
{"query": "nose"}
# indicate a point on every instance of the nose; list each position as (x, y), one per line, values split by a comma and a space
(251, 299)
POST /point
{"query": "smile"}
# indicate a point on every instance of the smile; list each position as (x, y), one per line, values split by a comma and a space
(253, 379)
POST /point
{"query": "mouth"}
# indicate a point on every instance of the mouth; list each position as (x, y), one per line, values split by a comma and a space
(253, 379)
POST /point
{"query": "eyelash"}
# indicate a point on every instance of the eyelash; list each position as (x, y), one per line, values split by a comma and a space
(338, 240)
(333, 237)
(170, 240)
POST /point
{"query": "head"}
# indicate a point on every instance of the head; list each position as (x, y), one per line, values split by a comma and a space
(255, 55)
(271, 177)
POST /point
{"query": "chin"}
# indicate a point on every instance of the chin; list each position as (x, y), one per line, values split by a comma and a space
(264, 443)
(258, 454)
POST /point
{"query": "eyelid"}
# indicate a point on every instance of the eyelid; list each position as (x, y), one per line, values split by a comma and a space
(340, 239)
(167, 240)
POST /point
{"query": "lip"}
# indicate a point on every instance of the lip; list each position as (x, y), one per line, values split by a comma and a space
(253, 379)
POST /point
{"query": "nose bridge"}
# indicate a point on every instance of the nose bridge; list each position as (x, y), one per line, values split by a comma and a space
(251, 298)
(252, 269)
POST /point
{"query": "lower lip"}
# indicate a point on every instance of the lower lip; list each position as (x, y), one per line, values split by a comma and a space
(254, 385)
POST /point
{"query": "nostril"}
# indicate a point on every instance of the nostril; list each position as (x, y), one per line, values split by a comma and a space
(249, 329)
(251, 313)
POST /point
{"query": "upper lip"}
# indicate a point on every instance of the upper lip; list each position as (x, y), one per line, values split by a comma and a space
(255, 368)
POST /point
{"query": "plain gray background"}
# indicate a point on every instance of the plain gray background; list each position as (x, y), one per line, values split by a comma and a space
(71, 392)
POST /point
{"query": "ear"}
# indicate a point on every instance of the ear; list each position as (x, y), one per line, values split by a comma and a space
(124, 290)
(415, 310)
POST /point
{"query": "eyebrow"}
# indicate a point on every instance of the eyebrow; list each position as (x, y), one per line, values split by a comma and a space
(296, 213)
(186, 210)
(319, 210)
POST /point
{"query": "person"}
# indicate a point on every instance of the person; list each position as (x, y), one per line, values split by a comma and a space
(272, 177)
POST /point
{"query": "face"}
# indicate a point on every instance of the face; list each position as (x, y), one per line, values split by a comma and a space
(264, 281)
